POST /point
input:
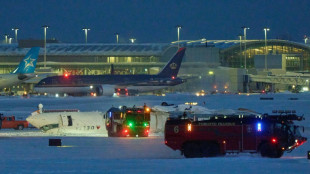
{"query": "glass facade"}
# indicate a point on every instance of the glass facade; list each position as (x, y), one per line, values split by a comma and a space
(298, 57)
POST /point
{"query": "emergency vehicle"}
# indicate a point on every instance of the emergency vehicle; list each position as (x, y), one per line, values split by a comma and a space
(244, 131)
(133, 121)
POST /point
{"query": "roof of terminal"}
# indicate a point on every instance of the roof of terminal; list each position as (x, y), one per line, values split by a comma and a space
(148, 49)
(91, 49)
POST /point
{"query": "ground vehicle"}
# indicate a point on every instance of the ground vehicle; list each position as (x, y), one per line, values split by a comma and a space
(128, 121)
(270, 135)
(8, 122)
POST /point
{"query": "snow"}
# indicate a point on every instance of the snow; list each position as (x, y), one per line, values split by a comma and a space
(27, 151)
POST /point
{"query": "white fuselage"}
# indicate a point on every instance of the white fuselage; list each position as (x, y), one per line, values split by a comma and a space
(69, 122)
(7, 80)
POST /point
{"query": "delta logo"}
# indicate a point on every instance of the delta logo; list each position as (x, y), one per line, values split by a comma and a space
(173, 66)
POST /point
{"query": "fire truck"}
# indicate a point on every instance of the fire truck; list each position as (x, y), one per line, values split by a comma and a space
(128, 121)
(219, 134)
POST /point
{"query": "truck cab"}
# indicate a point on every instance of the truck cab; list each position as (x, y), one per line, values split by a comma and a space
(133, 121)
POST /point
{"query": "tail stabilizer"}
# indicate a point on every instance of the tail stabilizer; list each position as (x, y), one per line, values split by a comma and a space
(28, 64)
(174, 64)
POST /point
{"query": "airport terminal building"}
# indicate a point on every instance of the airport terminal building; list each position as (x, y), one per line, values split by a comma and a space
(213, 65)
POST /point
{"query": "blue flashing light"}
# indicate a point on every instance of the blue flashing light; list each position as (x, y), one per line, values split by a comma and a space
(259, 127)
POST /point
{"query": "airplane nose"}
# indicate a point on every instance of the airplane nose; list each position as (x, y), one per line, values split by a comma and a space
(32, 120)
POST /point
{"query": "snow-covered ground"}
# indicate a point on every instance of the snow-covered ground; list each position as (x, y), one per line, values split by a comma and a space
(27, 151)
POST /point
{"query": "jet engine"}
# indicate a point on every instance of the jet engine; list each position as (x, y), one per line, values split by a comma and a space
(105, 90)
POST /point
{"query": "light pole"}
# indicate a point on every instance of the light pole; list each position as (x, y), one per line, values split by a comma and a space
(116, 34)
(86, 31)
(15, 29)
(132, 40)
(45, 27)
(266, 29)
(244, 31)
(179, 27)
(240, 37)
(6, 38)
(306, 39)
(10, 40)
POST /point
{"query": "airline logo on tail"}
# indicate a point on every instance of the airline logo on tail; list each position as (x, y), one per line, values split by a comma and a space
(28, 64)
(173, 65)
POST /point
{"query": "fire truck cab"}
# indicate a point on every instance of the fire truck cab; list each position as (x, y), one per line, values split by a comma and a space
(134, 121)
(268, 134)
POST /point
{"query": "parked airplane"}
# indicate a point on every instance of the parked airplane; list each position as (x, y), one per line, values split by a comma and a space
(109, 84)
(23, 72)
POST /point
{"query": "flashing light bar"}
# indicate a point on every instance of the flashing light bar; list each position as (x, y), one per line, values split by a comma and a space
(259, 127)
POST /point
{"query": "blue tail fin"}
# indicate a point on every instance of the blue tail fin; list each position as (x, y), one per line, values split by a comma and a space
(28, 64)
(173, 66)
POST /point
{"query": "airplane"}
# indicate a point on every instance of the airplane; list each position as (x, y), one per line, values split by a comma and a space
(23, 72)
(68, 122)
(108, 85)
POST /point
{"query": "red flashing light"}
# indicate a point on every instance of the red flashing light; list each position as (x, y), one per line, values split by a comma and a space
(125, 131)
(66, 75)
(173, 77)
(273, 140)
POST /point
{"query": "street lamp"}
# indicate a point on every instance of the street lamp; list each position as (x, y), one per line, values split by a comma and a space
(45, 27)
(240, 37)
(116, 34)
(306, 39)
(6, 38)
(266, 29)
(132, 40)
(244, 31)
(10, 40)
(179, 27)
(15, 29)
(86, 30)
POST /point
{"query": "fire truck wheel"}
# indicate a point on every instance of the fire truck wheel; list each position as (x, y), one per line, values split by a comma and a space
(20, 127)
(192, 150)
(210, 149)
(270, 150)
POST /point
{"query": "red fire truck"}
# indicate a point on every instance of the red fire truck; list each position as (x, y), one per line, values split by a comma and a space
(268, 134)
(128, 121)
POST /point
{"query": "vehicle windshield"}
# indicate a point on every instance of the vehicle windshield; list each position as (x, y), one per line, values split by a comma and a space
(294, 130)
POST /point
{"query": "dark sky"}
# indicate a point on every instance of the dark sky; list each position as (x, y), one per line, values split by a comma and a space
(154, 21)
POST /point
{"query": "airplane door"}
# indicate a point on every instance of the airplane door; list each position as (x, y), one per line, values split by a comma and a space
(66, 120)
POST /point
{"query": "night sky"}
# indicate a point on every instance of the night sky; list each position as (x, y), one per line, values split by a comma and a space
(154, 21)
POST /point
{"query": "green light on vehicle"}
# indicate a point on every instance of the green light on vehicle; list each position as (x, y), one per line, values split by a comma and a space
(130, 124)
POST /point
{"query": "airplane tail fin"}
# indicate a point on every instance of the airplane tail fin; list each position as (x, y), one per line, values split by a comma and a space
(174, 64)
(28, 64)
